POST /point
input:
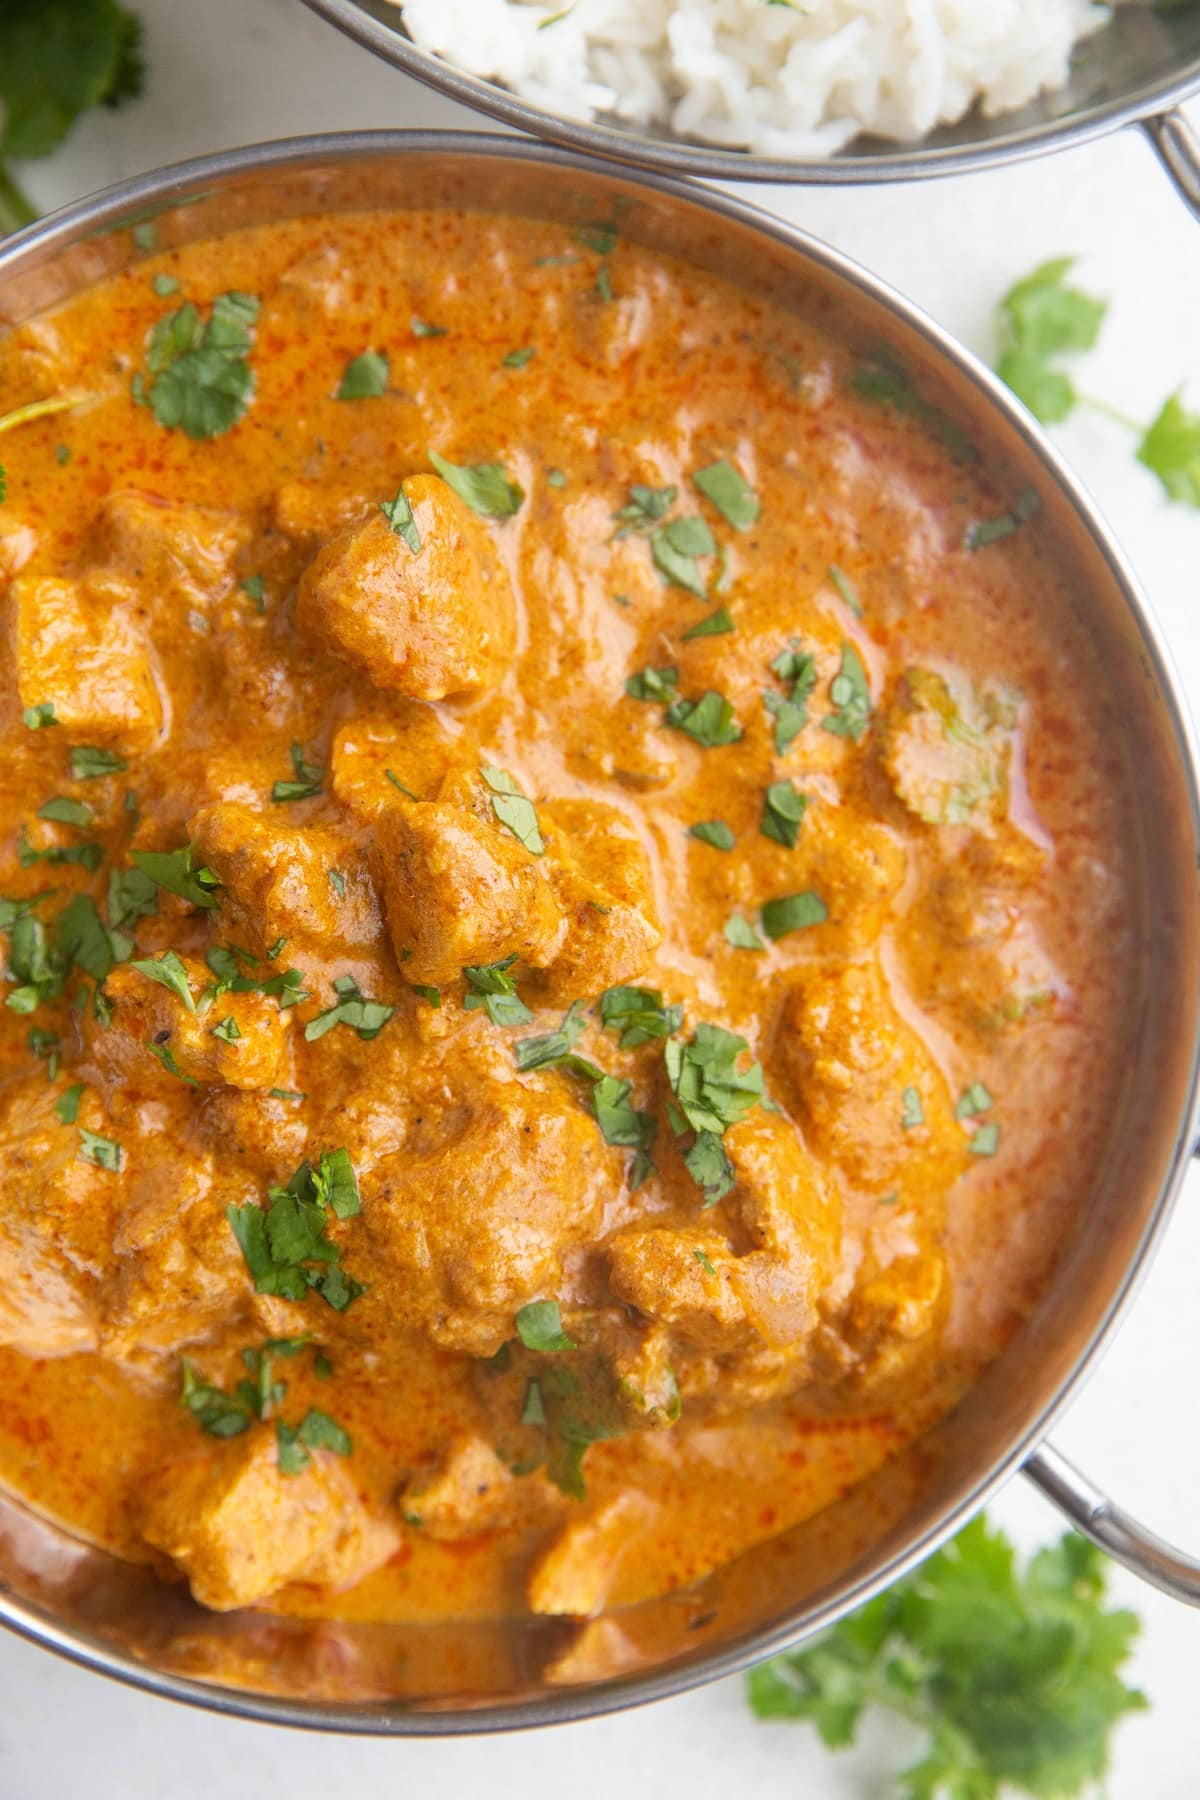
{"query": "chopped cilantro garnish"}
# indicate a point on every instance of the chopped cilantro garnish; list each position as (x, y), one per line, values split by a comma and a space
(884, 381)
(709, 721)
(793, 912)
(423, 329)
(784, 807)
(518, 359)
(365, 377)
(255, 590)
(555, 478)
(533, 1411)
(132, 895)
(708, 1164)
(710, 1092)
(972, 1100)
(169, 972)
(337, 882)
(63, 811)
(716, 624)
(486, 487)
(845, 587)
(38, 717)
(352, 1009)
(84, 856)
(399, 515)
(653, 684)
(166, 1056)
(1026, 506)
(644, 507)
(513, 809)
(306, 782)
(432, 994)
(790, 711)
(729, 492)
(284, 1243)
(551, 1049)
(104, 1152)
(674, 548)
(67, 1104)
(227, 1030)
(540, 1327)
(397, 783)
(851, 697)
(202, 379)
(912, 1112)
(741, 934)
(88, 763)
(621, 1124)
(176, 871)
(713, 831)
(495, 991)
(985, 1139)
(638, 1015)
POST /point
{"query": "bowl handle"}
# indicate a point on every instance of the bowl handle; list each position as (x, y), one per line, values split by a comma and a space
(1100, 1519)
(1178, 146)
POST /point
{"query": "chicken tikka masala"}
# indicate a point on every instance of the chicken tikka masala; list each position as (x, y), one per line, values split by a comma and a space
(566, 916)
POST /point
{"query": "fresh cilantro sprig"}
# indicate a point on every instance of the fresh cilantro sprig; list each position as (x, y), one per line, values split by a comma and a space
(58, 59)
(710, 1095)
(198, 376)
(1040, 322)
(1013, 1677)
(285, 1243)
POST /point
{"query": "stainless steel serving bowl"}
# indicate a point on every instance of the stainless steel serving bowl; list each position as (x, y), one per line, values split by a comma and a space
(457, 1678)
(1137, 70)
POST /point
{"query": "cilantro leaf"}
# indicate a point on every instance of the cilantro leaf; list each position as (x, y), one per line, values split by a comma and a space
(784, 807)
(169, 972)
(540, 1327)
(57, 60)
(515, 811)
(710, 721)
(638, 1015)
(741, 934)
(284, 1243)
(104, 1152)
(729, 492)
(486, 487)
(176, 871)
(1171, 448)
(644, 507)
(1014, 1678)
(851, 697)
(495, 991)
(710, 1092)
(674, 548)
(554, 1049)
(88, 763)
(399, 515)
(716, 624)
(1039, 320)
(351, 1008)
(713, 831)
(790, 712)
(202, 380)
(306, 782)
(793, 912)
(653, 684)
(365, 377)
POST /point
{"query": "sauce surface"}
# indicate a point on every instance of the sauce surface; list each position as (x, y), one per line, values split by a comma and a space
(817, 918)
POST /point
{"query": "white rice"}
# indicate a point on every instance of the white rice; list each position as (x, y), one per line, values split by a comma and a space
(764, 75)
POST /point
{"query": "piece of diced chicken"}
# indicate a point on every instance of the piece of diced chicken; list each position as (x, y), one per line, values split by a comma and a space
(309, 511)
(793, 1217)
(240, 1529)
(279, 882)
(519, 1160)
(600, 873)
(77, 650)
(471, 1491)
(147, 1014)
(573, 1577)
(680, 1275)
(848, 1060)
(429, 622)
(459, 888)
(373, 760)
(858, 867)
(56, 1221)
(176, 555)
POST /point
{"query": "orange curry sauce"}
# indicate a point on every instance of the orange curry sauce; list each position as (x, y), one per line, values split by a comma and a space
(841, 1219)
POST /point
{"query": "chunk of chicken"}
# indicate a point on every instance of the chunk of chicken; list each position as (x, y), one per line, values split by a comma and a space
(77, 651)
(519, 1160)
(459, 889)
(308, 511)
(428, 622)
(148, 1017)
(179, 557)
(848, 1060)
(240, 1530)
(373, 760)
(470, 1492)
(574, 1575)
(56, 1213)
(601, 876)
(276, 883)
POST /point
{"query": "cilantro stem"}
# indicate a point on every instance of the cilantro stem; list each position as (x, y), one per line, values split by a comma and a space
(15, 210)
(1111, 412)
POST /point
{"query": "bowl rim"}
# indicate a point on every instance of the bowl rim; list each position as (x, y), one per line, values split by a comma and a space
(125, 204)
(669, 156)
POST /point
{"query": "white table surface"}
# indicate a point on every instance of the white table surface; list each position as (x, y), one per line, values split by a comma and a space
(225, 72)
